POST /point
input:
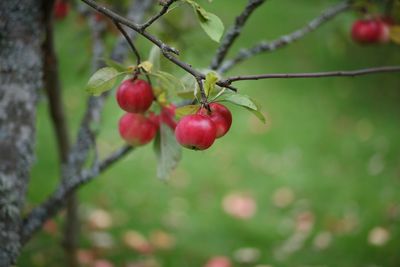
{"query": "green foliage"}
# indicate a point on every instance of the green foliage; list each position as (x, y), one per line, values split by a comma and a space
(186, 110)
(209, 22)
(242, 101)
(213, 26)
(168, 82)
(190, 87)
(114, 64)
(168, 151)
(103, 80)
(210, 82)
(155, 58)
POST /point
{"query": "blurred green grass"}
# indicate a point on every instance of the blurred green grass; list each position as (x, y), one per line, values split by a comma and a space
(333, 142)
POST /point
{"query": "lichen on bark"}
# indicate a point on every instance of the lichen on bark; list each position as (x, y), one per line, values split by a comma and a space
(21, 35)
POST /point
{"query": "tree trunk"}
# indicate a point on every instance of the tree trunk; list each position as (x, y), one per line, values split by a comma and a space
(21, 35)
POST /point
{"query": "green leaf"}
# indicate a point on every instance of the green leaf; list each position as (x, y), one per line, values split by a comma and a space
(213, 26)
(168, 151)
(155, 57)
(186, 110)
(258, 114)
(201, 12)
(210, 82)
(189, 87)
(243, 101)
(102, 80)
(238, 99)
(147, 66)
(210, 22)
(185, 94)
(168, 82)
(116, 65)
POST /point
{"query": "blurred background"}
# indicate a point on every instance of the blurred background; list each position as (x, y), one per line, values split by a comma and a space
(318, 185)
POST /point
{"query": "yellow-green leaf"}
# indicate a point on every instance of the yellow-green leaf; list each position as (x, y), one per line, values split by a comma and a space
(186, 110)
(146, 65)
(210, 82)
(395, 34)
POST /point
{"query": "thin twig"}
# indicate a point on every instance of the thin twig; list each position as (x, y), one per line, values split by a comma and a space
(202, 93)
(284, 40)
(128, 39)
(114, 16)
(234, 32)
(79, 153)
(164, 10)
(352, 73)
(166, 50)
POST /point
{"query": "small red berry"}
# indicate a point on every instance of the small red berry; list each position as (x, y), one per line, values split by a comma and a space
(168, 116)
(370, 31)
(221, 116)
(196, 132)
(61, 9)
(136, 129)
(155, 119)
(135, 96)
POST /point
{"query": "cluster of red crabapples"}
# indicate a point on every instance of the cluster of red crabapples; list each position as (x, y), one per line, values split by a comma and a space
(371, 31)
(138, 126)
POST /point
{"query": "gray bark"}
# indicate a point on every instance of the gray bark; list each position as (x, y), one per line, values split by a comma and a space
(21, 34)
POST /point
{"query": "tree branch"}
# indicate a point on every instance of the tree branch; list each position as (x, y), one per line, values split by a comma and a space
(164, 10)
(352, 73)
(56, 201)
(234, 32)
(166, 50)
(129, 41)
(85, 140)
(284, 40)
(132, 25)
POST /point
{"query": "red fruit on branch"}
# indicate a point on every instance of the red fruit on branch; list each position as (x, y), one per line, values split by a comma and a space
(370, 31)
(197, 132)
(135, 96)
(61, 9)
(221, 116)
(155, 119)
(168, 116)
(136, 129)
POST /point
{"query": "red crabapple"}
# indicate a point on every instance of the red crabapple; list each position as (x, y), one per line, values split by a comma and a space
(197, 132)
(370, 31)
(135, 96)
(136, 129)
(221, 116)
